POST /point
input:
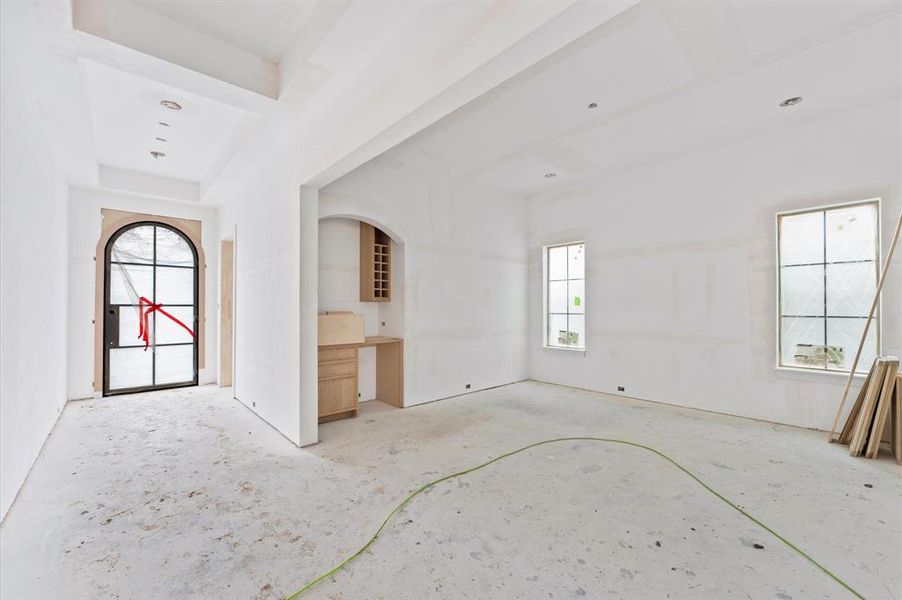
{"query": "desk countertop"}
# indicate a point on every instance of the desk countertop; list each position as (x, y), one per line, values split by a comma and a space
(369, 341)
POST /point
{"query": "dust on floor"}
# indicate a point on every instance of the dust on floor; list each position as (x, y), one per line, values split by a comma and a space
(185, 493)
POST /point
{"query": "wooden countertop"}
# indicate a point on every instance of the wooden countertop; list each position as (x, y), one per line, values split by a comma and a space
(369, 342)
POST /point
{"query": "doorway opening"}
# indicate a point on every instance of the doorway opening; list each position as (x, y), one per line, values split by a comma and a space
(150, 302)
(361, 286)
(226, 311)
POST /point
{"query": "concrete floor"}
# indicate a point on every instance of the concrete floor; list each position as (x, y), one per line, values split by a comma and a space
(186, 493)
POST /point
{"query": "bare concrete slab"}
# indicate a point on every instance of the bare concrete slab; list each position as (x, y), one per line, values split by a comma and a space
(186, 494)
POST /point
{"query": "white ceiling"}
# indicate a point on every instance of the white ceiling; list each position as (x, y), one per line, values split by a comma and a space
(266, 29)
(353, 78)
(125, 118)
(669, 78)
(359, 76)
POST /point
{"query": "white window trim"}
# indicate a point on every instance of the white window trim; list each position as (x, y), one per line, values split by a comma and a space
(545, 344)
(818, 373)
(876, 321)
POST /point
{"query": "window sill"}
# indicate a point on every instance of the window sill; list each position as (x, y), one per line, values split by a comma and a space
(565, 348)
(818, 372)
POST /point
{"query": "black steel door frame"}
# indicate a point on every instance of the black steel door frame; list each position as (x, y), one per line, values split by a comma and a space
(111, 312)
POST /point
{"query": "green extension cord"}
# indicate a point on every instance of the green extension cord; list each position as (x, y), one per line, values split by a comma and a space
(423, 488)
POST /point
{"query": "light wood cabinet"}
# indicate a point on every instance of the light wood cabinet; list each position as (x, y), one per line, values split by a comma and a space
(337, 383)
(339, 328)
(375, 264)
(338, 376)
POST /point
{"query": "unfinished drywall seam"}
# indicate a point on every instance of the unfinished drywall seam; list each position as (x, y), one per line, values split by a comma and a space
(685, 309)
(466, 265)
(226, 311)
(375, 222)
(309, 282)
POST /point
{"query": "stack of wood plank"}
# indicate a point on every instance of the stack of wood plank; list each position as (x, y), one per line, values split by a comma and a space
(879, 403)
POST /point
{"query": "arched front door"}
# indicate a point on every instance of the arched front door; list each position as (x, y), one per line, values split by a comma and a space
(150, 309)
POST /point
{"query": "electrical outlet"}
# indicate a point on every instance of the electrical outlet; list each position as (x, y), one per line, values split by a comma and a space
(383, 323)
(468, 386)
(254, 404)
(620, 388)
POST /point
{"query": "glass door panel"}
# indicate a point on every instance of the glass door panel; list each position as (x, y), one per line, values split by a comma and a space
(130, 368)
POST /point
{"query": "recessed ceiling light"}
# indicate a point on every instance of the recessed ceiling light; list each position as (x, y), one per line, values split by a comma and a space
(550, 175)
(171, 104)
(159, 139)
(163, 123)
(593, 105)
(157, 154)
(791, 101)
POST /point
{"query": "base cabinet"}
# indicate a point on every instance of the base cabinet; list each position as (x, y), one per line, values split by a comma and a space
(337, 383)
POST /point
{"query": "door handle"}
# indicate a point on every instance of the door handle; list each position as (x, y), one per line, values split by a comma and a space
(111, 331)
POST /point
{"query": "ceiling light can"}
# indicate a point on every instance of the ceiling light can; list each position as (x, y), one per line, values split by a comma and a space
(550, 175)
(171, 104)
(791, 101)
(157, 154)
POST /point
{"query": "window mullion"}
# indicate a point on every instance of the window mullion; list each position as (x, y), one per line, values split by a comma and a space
(567, 297)
(826, 341)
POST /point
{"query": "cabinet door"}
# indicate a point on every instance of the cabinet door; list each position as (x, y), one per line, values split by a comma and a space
(337, 395)
(367, 264)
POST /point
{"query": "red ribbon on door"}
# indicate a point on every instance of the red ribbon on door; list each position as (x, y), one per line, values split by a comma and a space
(143, 333)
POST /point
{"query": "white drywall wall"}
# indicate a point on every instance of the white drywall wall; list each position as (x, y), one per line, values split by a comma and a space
(33, 282)
(465, 270)
(263, 216)
(308, 350)
(84, 231)
(681, 291)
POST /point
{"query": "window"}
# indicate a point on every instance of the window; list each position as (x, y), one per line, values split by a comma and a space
(565, 296)
(827, 275)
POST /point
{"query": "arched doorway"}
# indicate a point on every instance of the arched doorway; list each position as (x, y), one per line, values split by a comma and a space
(341, 288)
(150, 309)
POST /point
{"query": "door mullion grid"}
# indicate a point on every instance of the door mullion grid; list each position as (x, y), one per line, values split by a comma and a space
(153, 358)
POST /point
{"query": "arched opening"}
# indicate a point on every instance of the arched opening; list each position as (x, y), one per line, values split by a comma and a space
(150, 309)
(341, 289)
